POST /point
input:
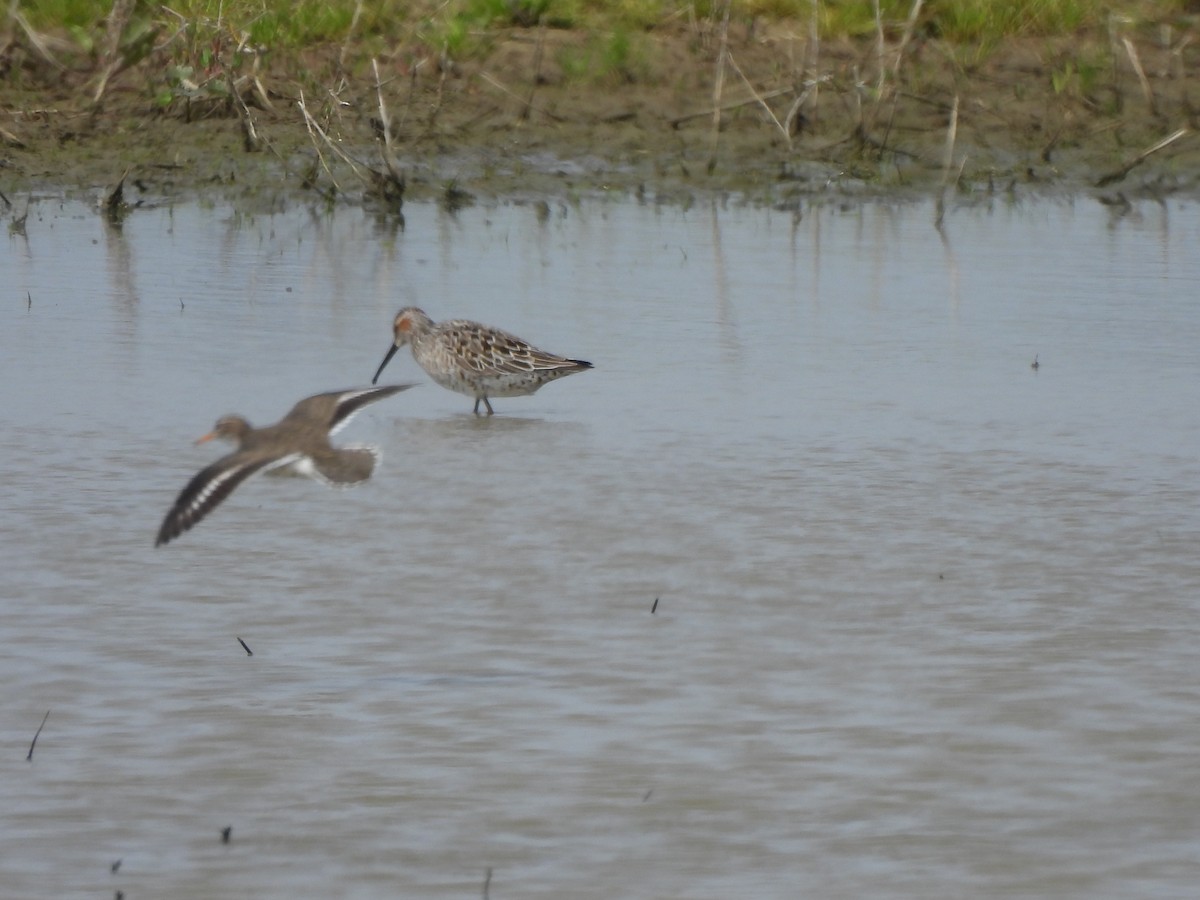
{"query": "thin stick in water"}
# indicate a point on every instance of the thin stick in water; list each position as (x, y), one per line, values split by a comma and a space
(33, 743)
(947, 162)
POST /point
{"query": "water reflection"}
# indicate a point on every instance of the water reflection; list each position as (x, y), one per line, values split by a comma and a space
(925, 616)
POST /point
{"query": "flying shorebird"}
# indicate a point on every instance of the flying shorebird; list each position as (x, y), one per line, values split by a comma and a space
(298, 442)
(475, 359)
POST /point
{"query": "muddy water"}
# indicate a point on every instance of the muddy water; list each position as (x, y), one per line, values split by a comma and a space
(926, 617)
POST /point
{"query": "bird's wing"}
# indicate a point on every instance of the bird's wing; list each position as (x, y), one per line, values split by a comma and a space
(490, 351)
(211, 486)
(347, 403)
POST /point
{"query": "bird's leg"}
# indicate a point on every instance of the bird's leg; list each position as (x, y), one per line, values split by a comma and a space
(491, 412)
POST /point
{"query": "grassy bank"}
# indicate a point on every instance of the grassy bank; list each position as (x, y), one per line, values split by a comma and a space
(295, 23)
(465, 29)
(794, 92)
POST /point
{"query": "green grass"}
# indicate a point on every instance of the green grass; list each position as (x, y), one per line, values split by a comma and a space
(284, 24)
(607, 58)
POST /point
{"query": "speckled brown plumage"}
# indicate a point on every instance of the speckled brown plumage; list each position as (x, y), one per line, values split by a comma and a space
(474, 359)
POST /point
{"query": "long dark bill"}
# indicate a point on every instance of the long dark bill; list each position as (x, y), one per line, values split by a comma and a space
(391, 352)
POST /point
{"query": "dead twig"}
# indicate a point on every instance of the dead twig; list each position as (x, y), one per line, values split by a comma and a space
(250, 138)
(38, 41)
(11, 139)
(951, 138)
(115, 206)
(719, 84)
(1147, 91)
(814, 51)
(358, 8)
(1127, 167)
(732, 104)
(526, 103)
(389, 184)
(111, 59)
(33, 743)
(538, 51)
(750, 87)
(385, 120)
(880, 48)
(315, 131)
(907, 35)
(947, 162)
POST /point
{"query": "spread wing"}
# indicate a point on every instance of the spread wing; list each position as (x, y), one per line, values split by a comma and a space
(210, 487)
(347, 403)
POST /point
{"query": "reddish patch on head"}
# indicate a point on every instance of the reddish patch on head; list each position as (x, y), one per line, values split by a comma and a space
(404, 324)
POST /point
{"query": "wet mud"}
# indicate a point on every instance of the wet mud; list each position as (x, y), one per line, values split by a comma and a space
(797, 121)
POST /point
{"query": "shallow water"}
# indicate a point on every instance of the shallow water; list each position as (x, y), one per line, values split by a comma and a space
(926, 617)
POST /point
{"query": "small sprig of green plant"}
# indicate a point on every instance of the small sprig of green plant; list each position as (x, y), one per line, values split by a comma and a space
(614, 57)
(1078, 76)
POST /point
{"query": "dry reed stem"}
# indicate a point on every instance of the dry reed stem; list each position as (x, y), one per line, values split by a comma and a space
(114, 202)
(538, 52)
(395, 178)
(494, 82)
(951, 137)
(732, 104)
(38, 41)
(907, 36)
(1118, 174)
(814, 44)
(9, 139)
(118, 20)
(880, 47)
(947, 162)
(314, 129)
(719, 85)
(1147, 91)
(250, 138)
(385, 120)
(358, 8)
(184, 24)
(861, 127)
(443, 65)
(763, 103)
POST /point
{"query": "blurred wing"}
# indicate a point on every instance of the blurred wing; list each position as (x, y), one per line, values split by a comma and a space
(347, 403)
(210, 487)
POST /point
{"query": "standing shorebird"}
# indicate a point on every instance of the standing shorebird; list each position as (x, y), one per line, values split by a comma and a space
(299, 442)
(475, 359)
